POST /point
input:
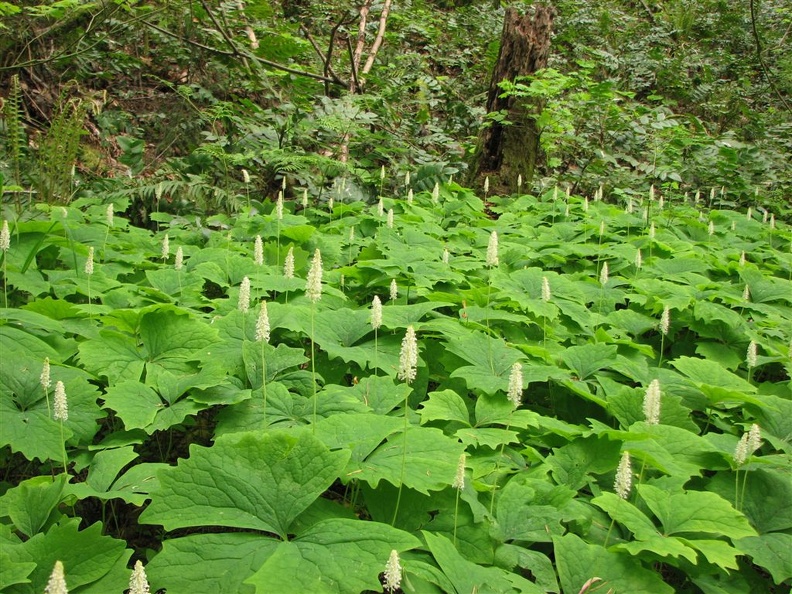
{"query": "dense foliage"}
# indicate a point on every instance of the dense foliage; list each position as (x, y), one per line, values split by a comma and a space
(306, 448)
(257, 334)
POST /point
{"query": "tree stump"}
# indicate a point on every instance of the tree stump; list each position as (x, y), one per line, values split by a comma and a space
(506, 150)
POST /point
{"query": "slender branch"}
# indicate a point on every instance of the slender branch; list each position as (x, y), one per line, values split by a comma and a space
(224, 32)
(761, 59)
(327, 67)
(264, 61)
(354, 84)
(361, 38)
(378, 40)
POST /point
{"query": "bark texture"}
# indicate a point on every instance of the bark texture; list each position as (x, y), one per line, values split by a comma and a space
(506, 151)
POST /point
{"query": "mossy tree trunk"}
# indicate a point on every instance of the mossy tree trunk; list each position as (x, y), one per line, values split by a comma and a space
(506, 150)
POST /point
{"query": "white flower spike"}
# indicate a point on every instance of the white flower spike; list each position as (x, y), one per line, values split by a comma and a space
(408, 357)
(313, 285)
(393, 572)
(138, 582)
(57, 581)
(60, 405)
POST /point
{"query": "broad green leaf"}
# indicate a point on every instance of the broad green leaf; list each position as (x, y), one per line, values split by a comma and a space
(470, 577)
(766, 498)
(771, 551)
(113, 355)
(518, 519)
(106, 465)
(251, 415)
(172, 336)
(359, 433)
(445, 405)
(490, 437)
(87, 556)
(626, 514)
(336, 555)
(708, 311)
(13, 572)
(584, 360)
(423, 459)
(533, 509)
(31, 503)
(15, 341)
(537, 563)
(710, 373)
(695, 512)
(577, 562)
(136, 404)
(662, 546)
(278, 359)
(572, 463)
(491, 359)
(672, 450)
(717, 552)
(245, 480)
(219, 562)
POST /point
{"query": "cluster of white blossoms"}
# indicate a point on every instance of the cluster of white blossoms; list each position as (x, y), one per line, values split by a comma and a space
(89, 262)
(651, 403)
(515, 385)
(244, 295)
(258, 251)
(288, 263)
(546, 294)
(748, 444)
(492, 249)
(623, 482)
(178, 262)
(665, 321)
(408, 357)
(263, 324)
(393, 572)
(60, 405)
(5, 238)
(376, 312)
(165, 254)
(394, 290)
(604, 274)
(751, 356)
(313, 284)
(459, 478)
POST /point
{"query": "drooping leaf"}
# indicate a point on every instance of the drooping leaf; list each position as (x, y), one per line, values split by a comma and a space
(695, 512)
(87, 556)
(585, 359)
(578, 562)
(245, 480)
(337, 555)
(219, 562)
(31, 503)
(771, 551)
(428, 463)
(470, 577)
(445, 405)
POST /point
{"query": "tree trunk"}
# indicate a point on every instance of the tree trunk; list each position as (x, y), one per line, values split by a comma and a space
(511, 149)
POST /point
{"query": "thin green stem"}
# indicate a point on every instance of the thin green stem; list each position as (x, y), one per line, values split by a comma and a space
(456, 514)
(607, 536)
(264, 380)
(404, 461)
(63, 445)
(497, 466)
(313, 365)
